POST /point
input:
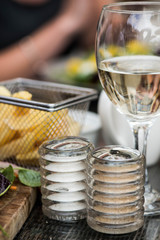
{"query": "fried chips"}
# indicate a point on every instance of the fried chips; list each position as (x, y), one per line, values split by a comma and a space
(22, 130)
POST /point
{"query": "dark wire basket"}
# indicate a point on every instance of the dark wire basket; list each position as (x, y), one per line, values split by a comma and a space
(55, 110)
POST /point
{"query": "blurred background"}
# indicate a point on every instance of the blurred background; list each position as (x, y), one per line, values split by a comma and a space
(50, 40)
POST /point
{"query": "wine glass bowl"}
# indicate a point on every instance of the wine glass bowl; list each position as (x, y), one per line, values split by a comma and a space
(128, 62)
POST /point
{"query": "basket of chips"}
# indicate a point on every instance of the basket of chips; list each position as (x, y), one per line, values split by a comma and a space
(33, 111)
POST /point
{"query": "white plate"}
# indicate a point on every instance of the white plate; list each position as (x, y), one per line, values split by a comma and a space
(116, 129)
(91, 128)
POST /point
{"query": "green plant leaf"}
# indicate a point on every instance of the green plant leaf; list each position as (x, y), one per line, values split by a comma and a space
(8, 173)
(29, 177)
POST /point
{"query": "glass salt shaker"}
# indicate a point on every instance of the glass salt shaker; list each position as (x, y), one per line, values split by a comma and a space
(115, 189)
(63, 178)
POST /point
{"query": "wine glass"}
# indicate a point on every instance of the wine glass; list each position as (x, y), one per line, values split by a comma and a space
(128, 62)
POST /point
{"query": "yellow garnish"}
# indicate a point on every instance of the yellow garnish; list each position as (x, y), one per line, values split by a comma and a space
(115, 51)
(73, 65)
(136, 47)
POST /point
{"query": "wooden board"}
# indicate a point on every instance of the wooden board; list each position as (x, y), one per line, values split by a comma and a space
(15, 207)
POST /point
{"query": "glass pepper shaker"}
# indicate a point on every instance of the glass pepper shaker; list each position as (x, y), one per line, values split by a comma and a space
(115, 189)
(63, 178)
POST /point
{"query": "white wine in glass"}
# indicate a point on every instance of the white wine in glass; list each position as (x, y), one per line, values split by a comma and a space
(128, 62)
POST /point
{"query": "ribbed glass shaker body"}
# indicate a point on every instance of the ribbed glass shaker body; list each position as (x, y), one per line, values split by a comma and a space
(115, 189)
(63, 178)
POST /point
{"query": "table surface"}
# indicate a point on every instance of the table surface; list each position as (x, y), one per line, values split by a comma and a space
(39, 227)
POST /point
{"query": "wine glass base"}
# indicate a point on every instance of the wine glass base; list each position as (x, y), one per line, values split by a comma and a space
(152, 203)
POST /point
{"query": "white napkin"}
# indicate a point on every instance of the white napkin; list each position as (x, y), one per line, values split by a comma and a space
(116, 130)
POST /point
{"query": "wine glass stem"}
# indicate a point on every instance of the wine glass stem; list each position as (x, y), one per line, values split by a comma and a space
(140, 132)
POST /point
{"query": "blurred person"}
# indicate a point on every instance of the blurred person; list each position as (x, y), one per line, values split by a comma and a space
(33, 31)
